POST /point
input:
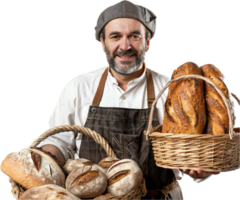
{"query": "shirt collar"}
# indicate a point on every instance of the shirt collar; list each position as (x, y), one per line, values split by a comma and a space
(132, 82)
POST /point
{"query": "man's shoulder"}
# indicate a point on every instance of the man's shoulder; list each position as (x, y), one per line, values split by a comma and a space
(159, 77)
(87, 78)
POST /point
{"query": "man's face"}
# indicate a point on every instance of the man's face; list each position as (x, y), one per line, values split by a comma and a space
(125, 44)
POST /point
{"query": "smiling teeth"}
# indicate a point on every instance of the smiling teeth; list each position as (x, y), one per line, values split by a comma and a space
(125, 56)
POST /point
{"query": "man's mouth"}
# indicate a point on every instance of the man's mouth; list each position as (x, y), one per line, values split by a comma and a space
(122, 58)
(125, 55)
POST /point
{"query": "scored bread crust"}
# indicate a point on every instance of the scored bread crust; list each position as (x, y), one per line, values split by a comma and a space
(185, 104)
(72, 164)
(48, 192)
(20, 167)
(107, 162)
(86, 181)
(123, 177)
(217, 115)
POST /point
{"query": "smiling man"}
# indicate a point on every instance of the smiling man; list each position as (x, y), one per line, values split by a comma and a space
(126, 46)
(125, 42)
(115, 101)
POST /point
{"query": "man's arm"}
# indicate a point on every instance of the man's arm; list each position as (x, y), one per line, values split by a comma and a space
(56, 152)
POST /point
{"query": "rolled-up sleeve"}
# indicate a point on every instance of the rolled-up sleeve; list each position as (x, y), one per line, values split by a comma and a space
(178, 174)
(64, 114)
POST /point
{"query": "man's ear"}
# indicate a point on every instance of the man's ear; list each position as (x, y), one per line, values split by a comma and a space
(148, 42)
(103, 45)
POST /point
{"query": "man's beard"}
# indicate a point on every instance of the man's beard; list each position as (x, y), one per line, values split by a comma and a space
(125, 69)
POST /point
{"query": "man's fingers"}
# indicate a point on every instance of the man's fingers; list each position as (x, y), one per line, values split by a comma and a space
(186, 171)
(193, 173)
(216, 173)
(197, 173)
(201, 173)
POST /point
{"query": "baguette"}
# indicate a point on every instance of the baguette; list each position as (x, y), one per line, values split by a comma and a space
(217, 115)
(185, 105)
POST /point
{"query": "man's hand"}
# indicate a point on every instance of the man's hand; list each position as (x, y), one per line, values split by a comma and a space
(56, 152)
(198, 173)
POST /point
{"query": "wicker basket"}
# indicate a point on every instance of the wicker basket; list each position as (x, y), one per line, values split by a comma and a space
(212, 153)
(17, 190)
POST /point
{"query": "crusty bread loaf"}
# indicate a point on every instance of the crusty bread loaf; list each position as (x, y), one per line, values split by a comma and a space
(71, 164)
(217, 116)
(48, 192)
(86, 182)
(105, 196)
(123, 177)
(107, 162)
(185, 104)
(30, 169)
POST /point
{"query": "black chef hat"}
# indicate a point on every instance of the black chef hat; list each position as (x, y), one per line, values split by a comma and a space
(126, 9)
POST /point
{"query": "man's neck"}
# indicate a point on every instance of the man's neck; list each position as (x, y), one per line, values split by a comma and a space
(123, 80)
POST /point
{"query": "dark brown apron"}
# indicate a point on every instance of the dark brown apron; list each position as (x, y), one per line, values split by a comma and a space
(123, 129)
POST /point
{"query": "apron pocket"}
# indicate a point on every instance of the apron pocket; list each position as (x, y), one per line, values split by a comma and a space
(125, 146)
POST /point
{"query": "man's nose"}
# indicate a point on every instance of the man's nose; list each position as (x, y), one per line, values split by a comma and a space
(125, 44)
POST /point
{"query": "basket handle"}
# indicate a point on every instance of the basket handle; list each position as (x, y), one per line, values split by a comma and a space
(76, 129)
(226, 101)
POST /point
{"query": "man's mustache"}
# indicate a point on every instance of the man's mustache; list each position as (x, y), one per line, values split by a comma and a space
(125, 53)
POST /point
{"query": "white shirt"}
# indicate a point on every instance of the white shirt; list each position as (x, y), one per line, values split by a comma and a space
(77, 96)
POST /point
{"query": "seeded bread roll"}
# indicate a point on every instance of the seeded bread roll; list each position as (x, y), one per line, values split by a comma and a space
(86, 182)
(30, 169)
(123, 177)
(48, 192)
(185, 105)
(217, 116)
(71, 164)
(107, 162)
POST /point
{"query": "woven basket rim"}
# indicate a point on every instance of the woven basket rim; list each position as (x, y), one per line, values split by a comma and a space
(202, 136)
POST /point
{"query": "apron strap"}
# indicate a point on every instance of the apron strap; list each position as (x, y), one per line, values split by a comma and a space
(98, 94)
(155, 193)
(150, 88)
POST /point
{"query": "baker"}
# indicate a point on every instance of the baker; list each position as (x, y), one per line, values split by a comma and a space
(115, 101)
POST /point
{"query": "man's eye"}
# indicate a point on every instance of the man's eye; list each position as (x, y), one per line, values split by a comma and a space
(136, 37)
(115, 36)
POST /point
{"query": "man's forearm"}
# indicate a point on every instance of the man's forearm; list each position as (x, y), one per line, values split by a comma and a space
(56, 152)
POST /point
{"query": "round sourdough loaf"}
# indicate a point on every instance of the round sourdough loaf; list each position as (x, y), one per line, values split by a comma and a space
(30, 169)
(86, 182)
(71, 164)
(104, 196)
(48, 192)
(107, 162)
(123, 177)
